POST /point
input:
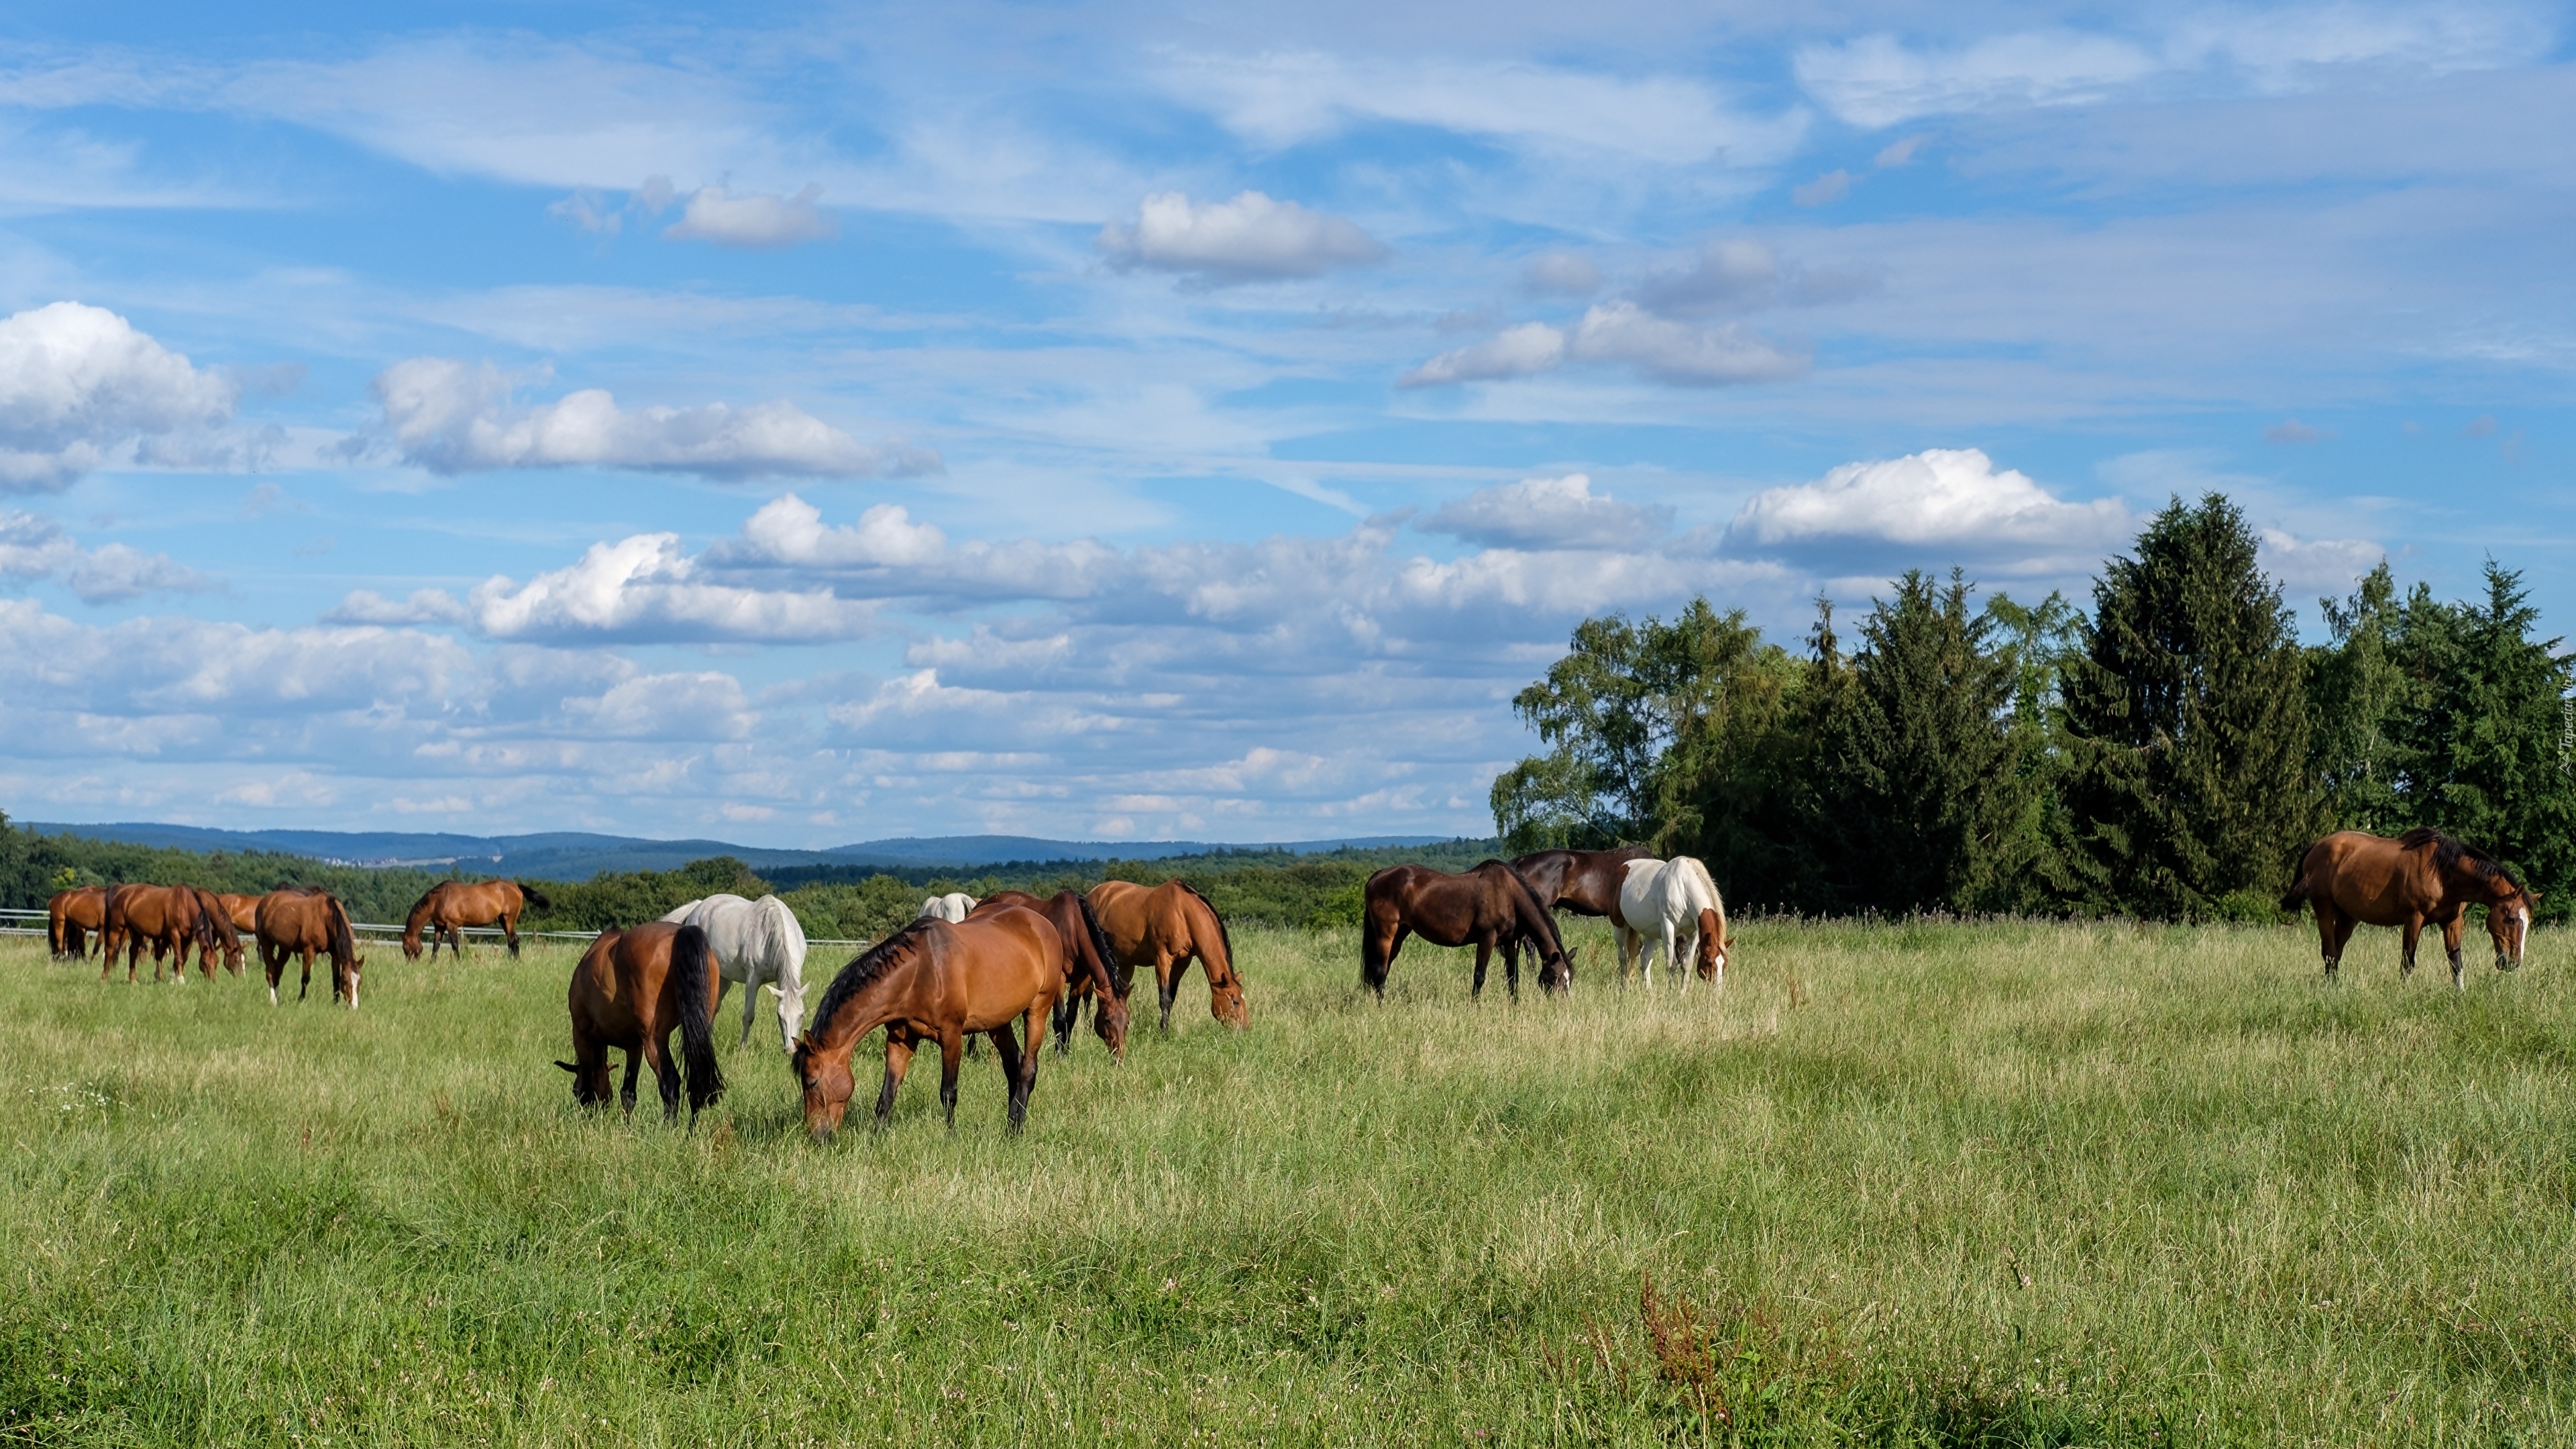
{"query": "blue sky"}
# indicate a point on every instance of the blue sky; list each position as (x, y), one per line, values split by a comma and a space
(805, 424)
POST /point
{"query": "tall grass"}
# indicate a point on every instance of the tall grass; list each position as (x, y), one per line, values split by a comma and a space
(1906, 1183)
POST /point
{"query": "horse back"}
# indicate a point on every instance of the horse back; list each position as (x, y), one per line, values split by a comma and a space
(2372, 879)
(990, 967)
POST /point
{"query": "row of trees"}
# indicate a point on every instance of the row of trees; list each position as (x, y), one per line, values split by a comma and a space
(2166, 755)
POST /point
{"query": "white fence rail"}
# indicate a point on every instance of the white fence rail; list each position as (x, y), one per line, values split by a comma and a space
(32, 923)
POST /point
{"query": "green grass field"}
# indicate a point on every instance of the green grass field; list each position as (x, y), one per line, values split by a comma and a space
(1905, 1184)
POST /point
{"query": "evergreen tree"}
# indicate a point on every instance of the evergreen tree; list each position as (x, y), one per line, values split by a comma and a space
(2188, 790)
(2361, 700)
(1921, 786)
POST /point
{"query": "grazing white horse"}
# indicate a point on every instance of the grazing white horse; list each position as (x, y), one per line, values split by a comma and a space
(757, 943)
(1658, 896)
(952, 907)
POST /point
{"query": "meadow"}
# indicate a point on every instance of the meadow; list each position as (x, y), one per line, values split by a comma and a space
(1906, 1183)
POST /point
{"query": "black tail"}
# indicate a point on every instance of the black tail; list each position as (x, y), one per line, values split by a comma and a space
(535, 897)
(697, 1029)
(1121, 976)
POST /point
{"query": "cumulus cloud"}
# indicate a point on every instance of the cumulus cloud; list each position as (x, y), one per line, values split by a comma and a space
(1550, 513)
(77, 382)
(1939, 505)
(700, 706)
(753, 219)
(1681, 353)
(453, 417)
(33, 547)
(1531, 347)
(2291, 430)
(645, 589)
(2327, 565)
(1249, 239)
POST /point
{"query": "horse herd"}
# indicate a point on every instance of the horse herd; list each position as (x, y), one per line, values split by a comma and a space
(965, 968)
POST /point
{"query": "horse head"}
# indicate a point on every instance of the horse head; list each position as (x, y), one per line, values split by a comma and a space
(591, 1089)
(2509, 926)
(1556, 973)
(1711, 951)
(825, 1078)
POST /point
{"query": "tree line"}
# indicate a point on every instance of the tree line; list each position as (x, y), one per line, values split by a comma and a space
(2165, 755)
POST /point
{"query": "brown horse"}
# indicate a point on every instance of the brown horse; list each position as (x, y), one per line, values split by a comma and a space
(1489, 906)
(168, 918)
(220, 931)
(2422, 878)
(1167, 926)
(452, 905)
(244, 910)
(1585, 882)
(1088, 953)
(312, 921)
(72, 917)
(632, 988)
(932, 981)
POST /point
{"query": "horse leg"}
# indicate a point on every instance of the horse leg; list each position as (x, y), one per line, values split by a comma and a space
(1484, 953)
(1068, 1009)
(750, 1009)
(1167, 983)
(272, 960)
(898, 1061)
(1512, 965)
(2414, 933)
(1009, 1051)
(2451, 945)
(952, 1051)
(307, 984)
(510, 928)
(666, 1072)
(626, 1094)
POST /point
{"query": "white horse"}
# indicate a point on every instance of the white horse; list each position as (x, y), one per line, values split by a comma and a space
(757, 943)
(1658, 896)
(951, 907)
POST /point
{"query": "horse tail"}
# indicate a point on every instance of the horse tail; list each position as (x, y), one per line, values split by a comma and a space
(1121, 976)
(697, 1027)
(2299, 890)
(533, 896)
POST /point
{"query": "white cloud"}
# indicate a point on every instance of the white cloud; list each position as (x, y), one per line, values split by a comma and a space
(77, 382)
(1531, 347)
(644, 588)
(1877, 80)
(457, 417)
(1675, 352)
(753, 219)
(2326, 565)
(1251, 238)
(1281, 98)
(33, 547)
(1550, 513)
(425, 606)
(1952, 502)
(1730, 274)
(700, 706)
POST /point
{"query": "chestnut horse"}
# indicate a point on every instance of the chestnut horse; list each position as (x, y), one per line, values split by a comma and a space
(1166, 927)
(2422, 878)
(72, 917)
(311, 921)
(168, 918)
(452, 905)
(222, 932)
(1585, 882)
(632, 988)
(1088, 952)
(932, 981)
(1489, 906)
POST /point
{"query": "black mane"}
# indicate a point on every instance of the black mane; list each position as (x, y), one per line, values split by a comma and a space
(2452, 854)
(865, 967)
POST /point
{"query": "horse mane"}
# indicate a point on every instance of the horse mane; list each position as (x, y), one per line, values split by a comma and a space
(344, 943)
(1224, 937)
(1699, 872)
(777, 922)
(865, 967)
(2450, 854)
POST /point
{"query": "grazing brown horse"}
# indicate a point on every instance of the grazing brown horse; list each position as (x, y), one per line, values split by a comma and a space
(1489, 906)
(72, 917)
(244, 910)
(1166, 927)
(2422, 878)
(1088, 953)
(220, 931)
(168, 918)
(452, 905)
(631, 990)
(311, 921)
(1585, 882)
(932, 981)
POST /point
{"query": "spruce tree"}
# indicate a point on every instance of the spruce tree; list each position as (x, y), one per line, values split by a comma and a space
(1921, 790)
(2361, 700)
(2186, 717)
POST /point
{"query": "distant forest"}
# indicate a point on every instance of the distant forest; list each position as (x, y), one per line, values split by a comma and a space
(2165, 756)
(1276, 887)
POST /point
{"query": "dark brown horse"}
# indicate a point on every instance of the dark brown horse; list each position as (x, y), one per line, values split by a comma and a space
(632, 989)
(1088, 953)
(2422, 878)
(219, 932)
(452, 905)
(309, 921)
(1585, 882)
(167, 918)
(1489, 906)
(1166, 927)
(72, 917)
(932, 981)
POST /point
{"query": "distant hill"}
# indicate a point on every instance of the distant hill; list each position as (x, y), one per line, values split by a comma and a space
(574, 855)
